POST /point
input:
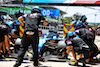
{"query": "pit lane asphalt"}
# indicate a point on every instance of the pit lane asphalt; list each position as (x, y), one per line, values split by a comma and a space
(55, 62)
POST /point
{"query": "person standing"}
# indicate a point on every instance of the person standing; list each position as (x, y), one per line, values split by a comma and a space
(30, 35)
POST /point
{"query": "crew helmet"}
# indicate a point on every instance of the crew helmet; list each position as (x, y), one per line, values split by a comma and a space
(70, 34)
(83, 18)
(36, 9)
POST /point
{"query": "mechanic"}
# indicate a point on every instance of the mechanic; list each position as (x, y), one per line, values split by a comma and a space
(83, 24)
(76, 44)
(3, 34)
(88, 38)
(30, 35)
(87, 26)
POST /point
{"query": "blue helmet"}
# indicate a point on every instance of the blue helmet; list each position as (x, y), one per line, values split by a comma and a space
(83, 18)
(70, 33)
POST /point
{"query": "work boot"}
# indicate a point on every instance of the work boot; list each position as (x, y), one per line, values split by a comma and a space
(17, 64)
(37, 65)
(75, 64)
(41, 59)
(1, 57)
(80, 60)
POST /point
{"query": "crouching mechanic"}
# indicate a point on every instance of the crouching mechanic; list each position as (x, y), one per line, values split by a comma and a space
(30, 35)
(3, 32)
(88, 38)
(76, 44)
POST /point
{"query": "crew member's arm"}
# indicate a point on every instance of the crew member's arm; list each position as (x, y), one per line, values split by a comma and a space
(45, 22)
(76, 32)
(21, 20)
(14, 35)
